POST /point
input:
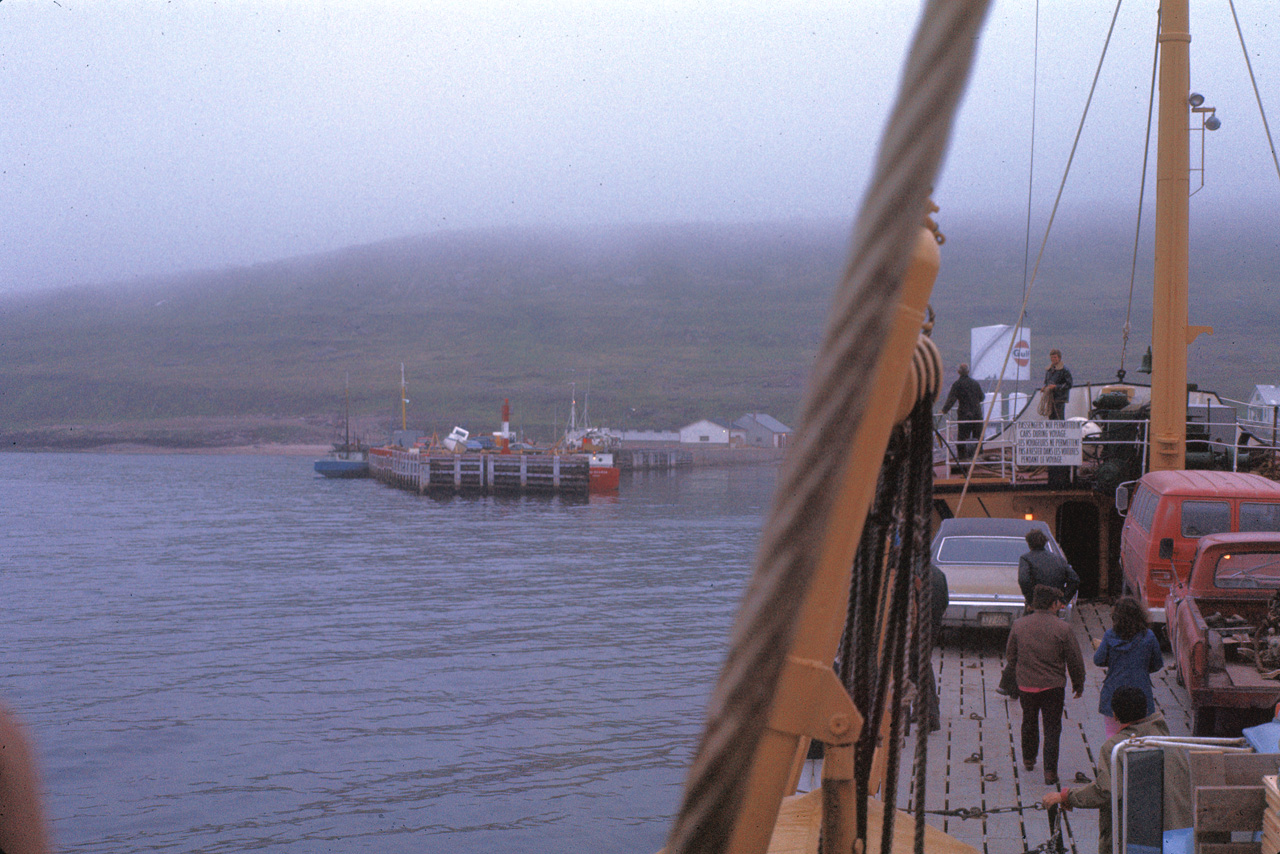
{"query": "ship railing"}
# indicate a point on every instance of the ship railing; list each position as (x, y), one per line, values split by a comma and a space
(1235, 443)
(997, 451)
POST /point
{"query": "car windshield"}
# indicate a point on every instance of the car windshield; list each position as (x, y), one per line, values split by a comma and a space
(1247, 570)
(980, 549)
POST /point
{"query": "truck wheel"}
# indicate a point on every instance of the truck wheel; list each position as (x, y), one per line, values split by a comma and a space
(1202, 722)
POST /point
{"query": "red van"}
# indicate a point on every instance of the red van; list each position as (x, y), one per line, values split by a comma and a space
(1167, 512)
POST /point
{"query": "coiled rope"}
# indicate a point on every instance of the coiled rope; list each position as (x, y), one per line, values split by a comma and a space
(937, 68)
(891, 583)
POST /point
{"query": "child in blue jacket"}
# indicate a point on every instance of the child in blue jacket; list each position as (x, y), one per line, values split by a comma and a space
(1130, 652)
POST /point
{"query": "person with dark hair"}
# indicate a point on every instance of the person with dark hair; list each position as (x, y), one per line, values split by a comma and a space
(966, 392)
(1057, 385)
(1130, 652)
(939, 598)
(1128, 706)
(1042, 650)
(1041, 566)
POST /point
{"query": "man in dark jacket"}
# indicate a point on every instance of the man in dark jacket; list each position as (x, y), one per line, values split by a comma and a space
(966, 392)
(1057, 384)
(1129, 706)
(1041, 566)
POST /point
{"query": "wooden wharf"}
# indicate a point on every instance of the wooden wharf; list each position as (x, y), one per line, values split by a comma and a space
(638, 459)
(975, 760)
(419, 470)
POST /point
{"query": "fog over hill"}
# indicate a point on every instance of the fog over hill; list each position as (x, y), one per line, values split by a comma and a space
(655, 326)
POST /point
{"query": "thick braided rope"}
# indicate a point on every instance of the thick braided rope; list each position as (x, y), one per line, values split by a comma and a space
(910, 154)
(912, 595)
(922, 461)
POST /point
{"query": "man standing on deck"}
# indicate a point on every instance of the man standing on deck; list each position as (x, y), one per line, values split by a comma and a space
(1042, 650)
(1041, 566)
(1128, 706)
(966, 392)
(1057, 384)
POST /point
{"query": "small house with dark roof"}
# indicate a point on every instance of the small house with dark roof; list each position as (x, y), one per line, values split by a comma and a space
(763, 431)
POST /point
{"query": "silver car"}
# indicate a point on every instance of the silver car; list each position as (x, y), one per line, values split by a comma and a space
(980, 559)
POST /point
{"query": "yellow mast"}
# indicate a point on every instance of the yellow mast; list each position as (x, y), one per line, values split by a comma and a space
(1170, 332)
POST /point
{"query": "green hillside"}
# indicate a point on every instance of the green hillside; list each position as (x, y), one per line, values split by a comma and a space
(656, 326)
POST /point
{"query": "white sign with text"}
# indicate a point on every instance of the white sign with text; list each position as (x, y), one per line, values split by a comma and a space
(1049, 443)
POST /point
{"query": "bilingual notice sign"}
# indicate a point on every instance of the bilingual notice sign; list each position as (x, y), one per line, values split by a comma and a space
(1049, 443)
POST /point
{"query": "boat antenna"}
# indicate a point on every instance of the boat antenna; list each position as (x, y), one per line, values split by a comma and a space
(404, 401)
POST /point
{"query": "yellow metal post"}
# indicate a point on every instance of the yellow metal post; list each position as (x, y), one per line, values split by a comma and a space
(1173, 188)
(801, 705)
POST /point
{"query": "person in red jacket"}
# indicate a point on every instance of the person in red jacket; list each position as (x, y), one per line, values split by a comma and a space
(1042, 650)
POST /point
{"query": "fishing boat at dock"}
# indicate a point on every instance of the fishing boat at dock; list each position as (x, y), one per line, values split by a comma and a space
(347, 459)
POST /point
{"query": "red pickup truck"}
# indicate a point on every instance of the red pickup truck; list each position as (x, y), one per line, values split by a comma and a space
(1213, 620)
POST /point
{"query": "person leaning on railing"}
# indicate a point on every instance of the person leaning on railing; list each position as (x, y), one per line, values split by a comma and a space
(966, 392)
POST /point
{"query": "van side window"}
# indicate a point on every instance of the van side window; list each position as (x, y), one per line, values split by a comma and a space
(1205, 517)
(1147, 502)
(1259, 517)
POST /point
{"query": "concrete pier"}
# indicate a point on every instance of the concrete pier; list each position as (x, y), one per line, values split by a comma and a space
(426, 471)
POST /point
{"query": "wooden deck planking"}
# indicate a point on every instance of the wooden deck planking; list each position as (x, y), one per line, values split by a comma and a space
(978, 721)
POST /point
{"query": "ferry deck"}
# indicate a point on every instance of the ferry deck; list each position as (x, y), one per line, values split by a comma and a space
(975, 760)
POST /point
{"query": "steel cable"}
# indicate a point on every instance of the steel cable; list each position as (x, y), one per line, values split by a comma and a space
(937, 69)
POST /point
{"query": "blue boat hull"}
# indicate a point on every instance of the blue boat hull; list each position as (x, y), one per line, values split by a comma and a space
(342, 468)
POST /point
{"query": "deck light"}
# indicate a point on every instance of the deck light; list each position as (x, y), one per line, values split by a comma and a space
(1196, 99)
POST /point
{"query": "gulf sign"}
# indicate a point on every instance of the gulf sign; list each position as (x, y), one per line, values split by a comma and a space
(1022, 353)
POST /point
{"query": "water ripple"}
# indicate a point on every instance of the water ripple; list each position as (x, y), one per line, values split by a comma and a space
(229, 654)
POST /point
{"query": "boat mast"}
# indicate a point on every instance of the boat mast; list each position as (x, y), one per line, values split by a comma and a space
(346, 413)
(1171, 333)
(404, 401)
(573, 408)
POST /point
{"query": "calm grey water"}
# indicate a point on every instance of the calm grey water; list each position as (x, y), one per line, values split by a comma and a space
(231, 654)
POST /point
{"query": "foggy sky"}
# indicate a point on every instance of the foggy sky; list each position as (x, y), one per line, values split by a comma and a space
(144, 138)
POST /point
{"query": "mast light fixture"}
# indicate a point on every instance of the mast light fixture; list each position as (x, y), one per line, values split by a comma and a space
(1208, 122)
